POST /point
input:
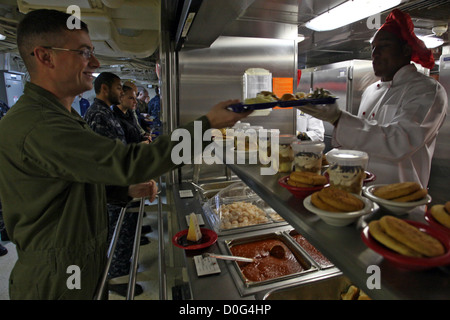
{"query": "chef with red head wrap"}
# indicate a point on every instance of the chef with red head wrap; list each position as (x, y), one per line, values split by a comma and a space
(400, 115)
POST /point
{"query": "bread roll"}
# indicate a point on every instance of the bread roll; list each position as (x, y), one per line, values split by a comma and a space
(341, 199)
(440, 214)
(411, 236)
(396, 190)
(377, 232)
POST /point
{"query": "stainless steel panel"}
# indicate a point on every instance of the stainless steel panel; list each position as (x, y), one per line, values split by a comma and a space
(335, 80)
(213, 16)
(305, 83)
(11, 87)
(443, 141)
(210, 75)
(347, 80)
(440, 166)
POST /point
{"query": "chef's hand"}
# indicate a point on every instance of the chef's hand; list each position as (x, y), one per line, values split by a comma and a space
(325, 112)
(220, 117)
(146, 189)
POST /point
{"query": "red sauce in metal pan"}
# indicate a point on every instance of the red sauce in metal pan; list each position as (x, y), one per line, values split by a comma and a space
(265, 266)
(312, 251)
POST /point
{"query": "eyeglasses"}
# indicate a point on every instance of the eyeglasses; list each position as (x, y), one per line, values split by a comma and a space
(87, 53)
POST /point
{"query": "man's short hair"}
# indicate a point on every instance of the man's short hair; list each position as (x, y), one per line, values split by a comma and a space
(42, 27)
(106, 78)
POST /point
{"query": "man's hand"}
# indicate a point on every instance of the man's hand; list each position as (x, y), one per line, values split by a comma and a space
(220, 117)
(325, 112)
(142, 190)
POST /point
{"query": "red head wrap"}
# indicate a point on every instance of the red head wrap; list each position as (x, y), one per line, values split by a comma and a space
(401, 25)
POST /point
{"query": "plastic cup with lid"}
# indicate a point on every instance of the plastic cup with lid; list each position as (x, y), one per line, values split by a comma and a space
(265, 139)
(347, 169)
(285, 153)
(308, 156)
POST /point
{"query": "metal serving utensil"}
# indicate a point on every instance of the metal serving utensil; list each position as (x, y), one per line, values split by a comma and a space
(224, 257)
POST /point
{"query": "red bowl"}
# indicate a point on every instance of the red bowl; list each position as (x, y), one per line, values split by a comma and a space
(434, 223)
(370, 177)
(411, 263)
(209, 237)
(299, 192)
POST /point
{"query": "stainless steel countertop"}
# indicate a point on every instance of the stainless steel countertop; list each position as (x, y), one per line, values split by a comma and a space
(344, 246)
(203, 288)
(206, 287)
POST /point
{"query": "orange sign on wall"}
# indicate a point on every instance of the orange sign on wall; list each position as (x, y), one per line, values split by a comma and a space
(281, 86)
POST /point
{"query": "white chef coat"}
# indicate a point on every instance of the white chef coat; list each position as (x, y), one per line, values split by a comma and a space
(397, 125)
(313, 127)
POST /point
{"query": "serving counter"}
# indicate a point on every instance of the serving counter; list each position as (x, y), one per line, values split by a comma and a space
(343, 246)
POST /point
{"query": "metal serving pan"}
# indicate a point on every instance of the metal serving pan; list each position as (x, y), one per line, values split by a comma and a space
(319, 259)
(327, 288)
(301, 258)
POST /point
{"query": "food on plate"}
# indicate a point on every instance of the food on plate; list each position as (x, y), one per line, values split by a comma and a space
(441, 213)
(354, 293)
(262, 97)
(319, 203)
(411, 236)
(266, 265)
(337, 199)
(288, 97)
(268, 96)
(275, 216)
(240, 214)
(419, 194)
(306, 179)
(194, 232)
(363, 296)
(378, 233)
(397, 190)
(300, 95)
(319, 93)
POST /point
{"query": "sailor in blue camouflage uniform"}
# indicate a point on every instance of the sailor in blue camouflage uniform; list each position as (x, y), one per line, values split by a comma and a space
(100, 116)
(102, 119)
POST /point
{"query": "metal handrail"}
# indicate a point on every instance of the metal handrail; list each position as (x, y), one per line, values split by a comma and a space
(111, 249)
(135, 256)
(161, 250)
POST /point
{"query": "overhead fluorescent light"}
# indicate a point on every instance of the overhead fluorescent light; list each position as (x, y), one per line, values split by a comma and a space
(349, 12)
(300, 38)
(431, 41)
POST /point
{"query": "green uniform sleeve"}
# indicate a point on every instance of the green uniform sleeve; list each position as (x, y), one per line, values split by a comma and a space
(79, 154)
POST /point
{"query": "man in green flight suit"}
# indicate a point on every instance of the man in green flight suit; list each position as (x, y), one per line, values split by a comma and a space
(54, 168)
